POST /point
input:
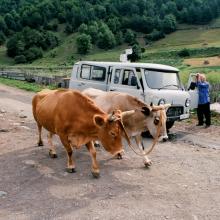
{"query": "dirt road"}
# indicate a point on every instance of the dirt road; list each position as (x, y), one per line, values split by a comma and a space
(182, 183)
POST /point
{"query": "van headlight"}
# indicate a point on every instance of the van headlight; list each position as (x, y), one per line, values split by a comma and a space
(187, 102)
(161, 102)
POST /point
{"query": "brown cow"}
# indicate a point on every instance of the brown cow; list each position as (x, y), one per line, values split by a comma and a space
(77, 120)
(145, 118)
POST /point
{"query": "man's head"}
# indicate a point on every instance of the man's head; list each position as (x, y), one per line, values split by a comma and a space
(202, 77)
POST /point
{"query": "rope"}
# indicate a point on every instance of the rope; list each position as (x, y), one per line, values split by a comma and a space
(154, 142)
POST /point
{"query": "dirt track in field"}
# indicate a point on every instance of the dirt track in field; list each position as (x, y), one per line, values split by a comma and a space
(210, 61)
(182, 183)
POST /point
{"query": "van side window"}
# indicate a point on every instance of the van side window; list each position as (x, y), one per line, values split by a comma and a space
(85, 72)
(98, 73)
(117, 76)
(93, 73)
(129, 78)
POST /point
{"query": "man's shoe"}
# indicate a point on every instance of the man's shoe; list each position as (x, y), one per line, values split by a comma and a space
(199, 125)
(207, 126)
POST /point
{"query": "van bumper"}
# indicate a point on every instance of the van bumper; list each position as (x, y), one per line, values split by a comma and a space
(178, 118)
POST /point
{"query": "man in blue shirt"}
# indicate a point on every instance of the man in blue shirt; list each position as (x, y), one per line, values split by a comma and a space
(204, 100)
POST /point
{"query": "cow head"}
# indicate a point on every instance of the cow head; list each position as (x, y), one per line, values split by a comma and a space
(111, 130)
(154, 115)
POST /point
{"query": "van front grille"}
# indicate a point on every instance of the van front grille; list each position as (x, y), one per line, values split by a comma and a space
(174, 111)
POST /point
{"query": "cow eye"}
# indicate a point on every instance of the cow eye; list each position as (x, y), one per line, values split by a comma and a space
(156, 121)
(112, 134)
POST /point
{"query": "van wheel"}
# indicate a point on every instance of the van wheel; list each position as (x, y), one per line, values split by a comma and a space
(169, 124)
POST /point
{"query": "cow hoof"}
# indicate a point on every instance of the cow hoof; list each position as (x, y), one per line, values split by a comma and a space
(52, 155)
(119, 156)
(70, 170)
(97, 145)
(147, 163)
(95, 174)
(165, 139)
(39, 144)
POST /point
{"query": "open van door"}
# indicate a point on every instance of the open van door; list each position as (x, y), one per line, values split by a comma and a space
(193, 91)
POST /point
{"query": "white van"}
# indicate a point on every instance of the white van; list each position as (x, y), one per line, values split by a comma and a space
(152, 83)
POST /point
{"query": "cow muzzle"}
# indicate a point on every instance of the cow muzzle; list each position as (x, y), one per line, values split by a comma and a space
(163, 138)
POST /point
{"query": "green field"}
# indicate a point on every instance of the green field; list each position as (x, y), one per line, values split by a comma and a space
(196, 38)
(201, 41)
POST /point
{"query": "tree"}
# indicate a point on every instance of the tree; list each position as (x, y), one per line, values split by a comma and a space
(100, 11)
(3, 26)
(155, 35)
(106, 39)
(32, 37)
(169, 24)
(9, 20)
(83, 28)
(129, 36)
(69, 28)
(12, 45)
(50, 40)
(83, 43)
(20, 59)
(119, 38)
(2, 38)
(33, 53)
(136, 53)
(93, 30)
(114, 24)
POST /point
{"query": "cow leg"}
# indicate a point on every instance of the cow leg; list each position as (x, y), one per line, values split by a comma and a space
(40, 142)
(95, 166)
(139, 142)
(52, 150)
(70, 162)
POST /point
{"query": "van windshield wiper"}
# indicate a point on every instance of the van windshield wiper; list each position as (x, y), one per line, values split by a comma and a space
(168, 86)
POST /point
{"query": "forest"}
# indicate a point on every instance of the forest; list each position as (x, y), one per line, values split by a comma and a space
(30, 27)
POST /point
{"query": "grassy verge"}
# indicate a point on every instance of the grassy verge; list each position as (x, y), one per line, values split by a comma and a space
(215, 118)
(33, 87)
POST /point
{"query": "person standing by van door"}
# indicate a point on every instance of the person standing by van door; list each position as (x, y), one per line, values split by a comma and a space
(203, 109)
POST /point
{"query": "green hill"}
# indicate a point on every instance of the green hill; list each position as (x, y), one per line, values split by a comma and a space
(61, 32)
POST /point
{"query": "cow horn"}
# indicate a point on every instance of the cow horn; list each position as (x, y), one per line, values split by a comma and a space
(127, 113)
(160, 107)
(111, 117)
(157, 107)
(166, 106)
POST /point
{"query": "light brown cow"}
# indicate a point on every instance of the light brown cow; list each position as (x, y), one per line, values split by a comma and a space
(145, 118)
(77, 120)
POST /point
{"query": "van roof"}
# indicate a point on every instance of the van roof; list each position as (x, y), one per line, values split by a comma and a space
(152, 66)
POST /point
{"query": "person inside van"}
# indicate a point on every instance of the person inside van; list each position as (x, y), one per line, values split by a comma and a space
(130, 79)
(203, 110)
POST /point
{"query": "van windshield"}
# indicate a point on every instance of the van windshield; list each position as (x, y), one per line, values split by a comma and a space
(162, 80)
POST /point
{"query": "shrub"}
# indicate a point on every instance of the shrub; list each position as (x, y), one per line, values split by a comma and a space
(20, 59)
(184, 53)
(83, 42)
(33, 53)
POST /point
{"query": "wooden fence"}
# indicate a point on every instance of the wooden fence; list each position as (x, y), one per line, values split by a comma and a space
(59, 81)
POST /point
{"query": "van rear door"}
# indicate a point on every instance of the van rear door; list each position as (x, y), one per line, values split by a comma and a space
(89, 76)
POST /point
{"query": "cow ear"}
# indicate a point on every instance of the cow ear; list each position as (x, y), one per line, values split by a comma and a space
(99, 120)
(145, 110)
